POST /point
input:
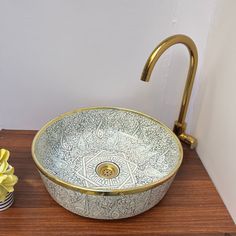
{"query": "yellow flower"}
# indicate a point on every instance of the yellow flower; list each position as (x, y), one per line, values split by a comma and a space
(7, 177)
(4, 156)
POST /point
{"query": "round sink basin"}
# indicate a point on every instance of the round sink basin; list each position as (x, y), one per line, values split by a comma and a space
(106, 163)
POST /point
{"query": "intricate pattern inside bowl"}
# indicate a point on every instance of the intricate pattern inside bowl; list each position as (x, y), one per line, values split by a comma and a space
(134, 150)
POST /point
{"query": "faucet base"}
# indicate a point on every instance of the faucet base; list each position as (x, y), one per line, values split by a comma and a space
(179, 130)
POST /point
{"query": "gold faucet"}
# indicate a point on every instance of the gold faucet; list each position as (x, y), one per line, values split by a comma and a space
(180, 124)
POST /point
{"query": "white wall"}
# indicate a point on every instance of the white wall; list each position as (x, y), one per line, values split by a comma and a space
(56, 56)
(216, 123)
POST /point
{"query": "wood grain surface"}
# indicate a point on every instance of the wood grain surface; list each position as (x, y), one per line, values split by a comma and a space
(192, 206)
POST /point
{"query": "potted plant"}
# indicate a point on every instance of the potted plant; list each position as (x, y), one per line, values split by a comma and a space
(7, 180)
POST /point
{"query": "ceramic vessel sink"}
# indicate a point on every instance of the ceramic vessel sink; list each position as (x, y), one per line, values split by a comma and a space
(106, 163)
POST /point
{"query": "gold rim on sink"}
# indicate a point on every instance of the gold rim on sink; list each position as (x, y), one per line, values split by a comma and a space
(108, 170)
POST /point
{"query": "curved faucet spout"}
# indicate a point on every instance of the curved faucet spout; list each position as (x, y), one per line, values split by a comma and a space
(180, 124)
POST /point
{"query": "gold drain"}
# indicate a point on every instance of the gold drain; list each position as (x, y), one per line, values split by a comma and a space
(107, 170)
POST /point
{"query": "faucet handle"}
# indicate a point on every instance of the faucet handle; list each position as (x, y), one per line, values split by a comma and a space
(189, 140)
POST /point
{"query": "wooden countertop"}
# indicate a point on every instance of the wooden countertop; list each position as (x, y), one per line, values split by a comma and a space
(192, 206)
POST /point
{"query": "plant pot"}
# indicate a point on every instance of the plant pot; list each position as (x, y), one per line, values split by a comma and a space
(7, 202)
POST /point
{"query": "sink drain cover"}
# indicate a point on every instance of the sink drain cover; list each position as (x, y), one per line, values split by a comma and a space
(107, 170)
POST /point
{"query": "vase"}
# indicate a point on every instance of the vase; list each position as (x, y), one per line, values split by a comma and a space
(7, 202)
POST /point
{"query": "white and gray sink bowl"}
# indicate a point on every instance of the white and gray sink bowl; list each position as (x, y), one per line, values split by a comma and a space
(106, 163)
